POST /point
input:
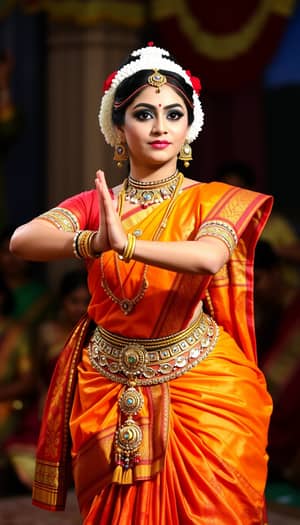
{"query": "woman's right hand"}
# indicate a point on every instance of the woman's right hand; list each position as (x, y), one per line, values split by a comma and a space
(100, 240)
(111, 234)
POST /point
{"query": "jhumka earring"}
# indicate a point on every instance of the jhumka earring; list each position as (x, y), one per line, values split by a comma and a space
(120, 154)
(185, 154)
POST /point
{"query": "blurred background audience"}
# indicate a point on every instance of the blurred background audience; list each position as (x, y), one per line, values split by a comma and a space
(279, 231)
(277, 316)
(18, 399)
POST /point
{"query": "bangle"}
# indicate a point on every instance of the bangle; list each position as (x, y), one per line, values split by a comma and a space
(75, 245)
(92, 253)
(82, 245)
(128, 248)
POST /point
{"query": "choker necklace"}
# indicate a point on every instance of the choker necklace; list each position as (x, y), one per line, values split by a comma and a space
(150, 192)
(126, 304)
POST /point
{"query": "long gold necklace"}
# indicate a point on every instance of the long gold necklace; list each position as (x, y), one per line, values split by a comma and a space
(147, 193)
(124, 302)
(127, 305)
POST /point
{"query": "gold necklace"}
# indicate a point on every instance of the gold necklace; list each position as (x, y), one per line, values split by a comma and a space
(124, 302)
(150, 192)
(127, 305)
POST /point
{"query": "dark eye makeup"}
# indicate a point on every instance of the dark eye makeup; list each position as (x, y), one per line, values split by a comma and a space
(146, 114)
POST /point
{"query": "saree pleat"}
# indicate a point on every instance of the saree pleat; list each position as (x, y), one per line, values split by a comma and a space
(203, 452)
(215, 445)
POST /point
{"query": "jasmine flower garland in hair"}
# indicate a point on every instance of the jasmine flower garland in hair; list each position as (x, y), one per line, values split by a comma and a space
(147, 58)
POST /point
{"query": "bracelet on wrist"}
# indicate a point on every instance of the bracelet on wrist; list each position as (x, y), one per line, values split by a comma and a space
(82, 245)
(129, 248)
(75, 245)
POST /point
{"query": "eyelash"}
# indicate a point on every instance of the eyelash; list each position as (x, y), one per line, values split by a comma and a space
(145, 114)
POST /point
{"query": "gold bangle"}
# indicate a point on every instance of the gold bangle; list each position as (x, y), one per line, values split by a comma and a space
(92, 253)
(82, 245)
(129, 248)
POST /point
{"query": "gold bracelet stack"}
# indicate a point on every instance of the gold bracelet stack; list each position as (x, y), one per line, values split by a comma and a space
(128, 248)
(82, 245)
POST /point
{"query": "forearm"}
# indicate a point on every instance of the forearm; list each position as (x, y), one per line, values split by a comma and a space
(38, 240)
(205, 256)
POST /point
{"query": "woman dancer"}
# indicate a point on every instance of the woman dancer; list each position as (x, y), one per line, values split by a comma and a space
(157, 394)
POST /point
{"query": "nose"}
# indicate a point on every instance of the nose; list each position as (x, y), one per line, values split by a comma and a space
(159, 126)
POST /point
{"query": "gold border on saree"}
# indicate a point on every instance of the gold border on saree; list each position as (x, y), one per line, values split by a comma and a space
(152, 361)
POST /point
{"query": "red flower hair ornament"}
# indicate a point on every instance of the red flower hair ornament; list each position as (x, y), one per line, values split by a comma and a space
(196, 82)
(108, 81)
(149, 57)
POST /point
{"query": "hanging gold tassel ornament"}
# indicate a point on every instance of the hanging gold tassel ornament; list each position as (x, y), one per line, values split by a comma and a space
(185, 154)
(128, 436)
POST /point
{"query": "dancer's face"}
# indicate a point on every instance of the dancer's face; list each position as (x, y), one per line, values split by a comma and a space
(155, 126)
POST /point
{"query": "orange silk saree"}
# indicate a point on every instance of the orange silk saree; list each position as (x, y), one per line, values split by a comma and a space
(203, 457)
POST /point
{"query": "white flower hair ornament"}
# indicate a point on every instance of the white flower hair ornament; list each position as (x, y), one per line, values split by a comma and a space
(154, 58)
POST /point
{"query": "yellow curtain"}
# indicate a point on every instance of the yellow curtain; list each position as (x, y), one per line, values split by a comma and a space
(129, 13)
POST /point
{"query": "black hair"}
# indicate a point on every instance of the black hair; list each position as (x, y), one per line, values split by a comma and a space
(265, 256)
(242, 169)
(72, 280)
(132, 84)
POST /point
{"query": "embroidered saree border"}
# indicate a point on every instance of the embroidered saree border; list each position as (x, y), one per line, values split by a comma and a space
(50, 484)
(250, 211)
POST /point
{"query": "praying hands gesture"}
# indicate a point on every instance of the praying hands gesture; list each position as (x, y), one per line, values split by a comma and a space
(111, 235)
(39, 240)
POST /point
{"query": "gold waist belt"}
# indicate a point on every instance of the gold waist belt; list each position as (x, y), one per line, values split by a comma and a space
(152, 361)
(143, 362)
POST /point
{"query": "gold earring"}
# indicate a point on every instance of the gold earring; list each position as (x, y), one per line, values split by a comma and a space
(120, 154)
(185, 154)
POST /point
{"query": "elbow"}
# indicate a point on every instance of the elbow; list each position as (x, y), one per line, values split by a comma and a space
(210, 266)
(215, 267)
(15, 244)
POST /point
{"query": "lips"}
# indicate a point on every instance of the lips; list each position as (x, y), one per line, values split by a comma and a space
(159, 144)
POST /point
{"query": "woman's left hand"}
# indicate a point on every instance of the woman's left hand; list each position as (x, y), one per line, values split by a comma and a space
(111, 226)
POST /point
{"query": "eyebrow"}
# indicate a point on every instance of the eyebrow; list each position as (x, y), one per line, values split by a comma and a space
(151, 106)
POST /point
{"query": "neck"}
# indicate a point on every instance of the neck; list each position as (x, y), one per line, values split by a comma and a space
(143, 173)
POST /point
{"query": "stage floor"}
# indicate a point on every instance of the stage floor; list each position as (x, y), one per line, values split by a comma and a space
(19, 511)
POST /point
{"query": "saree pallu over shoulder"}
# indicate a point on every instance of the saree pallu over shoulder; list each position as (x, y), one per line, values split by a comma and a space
(231, 290)
(229, 294)
(241, 211)
(53, 463)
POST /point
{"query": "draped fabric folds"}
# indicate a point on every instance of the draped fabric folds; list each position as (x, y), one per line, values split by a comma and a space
(204, 433)
(227, 44)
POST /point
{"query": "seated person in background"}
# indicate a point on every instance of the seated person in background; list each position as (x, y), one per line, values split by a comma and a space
(277, 317)
(279, 230)
(30, 293)
(18, 401)
(70, 304)
(236, 173)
